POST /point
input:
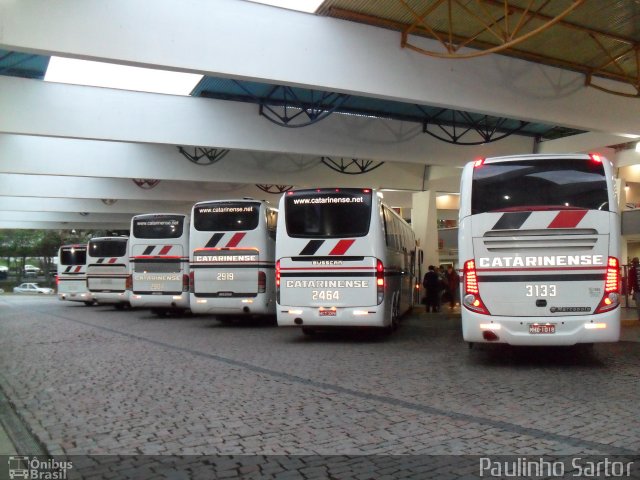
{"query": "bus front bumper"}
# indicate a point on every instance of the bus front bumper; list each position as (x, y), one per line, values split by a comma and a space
(331, 317)
(232, 305)
(111, 298)
(179, 301)
(560, 330)
(76, 296)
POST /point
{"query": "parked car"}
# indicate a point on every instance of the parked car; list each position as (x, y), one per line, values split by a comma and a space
(31, 270)
(32, 288)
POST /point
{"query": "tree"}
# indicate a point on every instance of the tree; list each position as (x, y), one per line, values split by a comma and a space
(17, 245)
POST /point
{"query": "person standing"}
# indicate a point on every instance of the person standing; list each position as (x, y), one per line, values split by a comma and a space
(431, 284)
(633, 282)
(453, 284)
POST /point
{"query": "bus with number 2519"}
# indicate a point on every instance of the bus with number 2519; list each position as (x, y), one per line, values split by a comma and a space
(232, 250)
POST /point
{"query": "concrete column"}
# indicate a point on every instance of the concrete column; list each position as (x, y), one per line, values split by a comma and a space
(620, 185)
(424, 219)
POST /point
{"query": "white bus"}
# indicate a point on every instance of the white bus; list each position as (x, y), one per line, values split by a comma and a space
(232, 257)
(539, 240)
(72, 274)
(344, 259)
(108, 274)
(158, 252)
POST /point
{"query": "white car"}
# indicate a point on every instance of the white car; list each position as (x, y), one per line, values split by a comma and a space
(32, 288)
(31, 270)
(3, 268)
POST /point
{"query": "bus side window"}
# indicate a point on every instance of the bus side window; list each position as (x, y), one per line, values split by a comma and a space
(272, 222)
(391, 230)
(387, 232)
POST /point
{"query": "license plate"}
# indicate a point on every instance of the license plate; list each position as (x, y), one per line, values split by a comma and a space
(537, 329)
(327, 313)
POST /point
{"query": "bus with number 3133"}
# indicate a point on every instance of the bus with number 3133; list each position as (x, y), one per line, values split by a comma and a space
(539, 241)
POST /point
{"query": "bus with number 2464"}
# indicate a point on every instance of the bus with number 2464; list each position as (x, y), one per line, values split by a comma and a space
(344, 259)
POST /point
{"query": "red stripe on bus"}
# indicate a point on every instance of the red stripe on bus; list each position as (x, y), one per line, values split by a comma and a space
(113, 260)
(165, 250)
(567, 219)
(235, 240)
(78, 268)
(341, 247)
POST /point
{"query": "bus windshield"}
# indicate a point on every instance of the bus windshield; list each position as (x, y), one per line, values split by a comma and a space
(158, 226)
(108, 248)
(538, 185)
(226, 216)
(73, 256)
(328, 213)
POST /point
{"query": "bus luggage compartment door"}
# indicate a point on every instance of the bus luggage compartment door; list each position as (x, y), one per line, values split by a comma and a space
(562, 275)
(328, 282)
(111, 278)
(226, 273)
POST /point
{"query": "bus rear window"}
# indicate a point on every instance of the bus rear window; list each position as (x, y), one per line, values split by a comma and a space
(539, 184)
(73, 256)
(226, 216)
(158, 226)
(328, 213)
(108, 248)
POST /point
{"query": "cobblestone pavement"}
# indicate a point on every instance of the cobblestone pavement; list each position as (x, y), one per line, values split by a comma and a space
(93, 380)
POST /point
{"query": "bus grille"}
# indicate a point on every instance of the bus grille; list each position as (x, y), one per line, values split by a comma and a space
(560, 239)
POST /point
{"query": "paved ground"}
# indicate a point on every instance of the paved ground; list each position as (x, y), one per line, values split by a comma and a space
(103, 382)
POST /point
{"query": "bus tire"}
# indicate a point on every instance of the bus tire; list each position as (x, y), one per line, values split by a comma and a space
(395, 314)
(119, 306)
(89, 304)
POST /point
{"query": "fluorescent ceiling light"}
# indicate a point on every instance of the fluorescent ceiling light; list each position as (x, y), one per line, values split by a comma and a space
(309, 6)
(99, 74)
